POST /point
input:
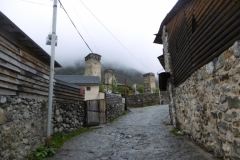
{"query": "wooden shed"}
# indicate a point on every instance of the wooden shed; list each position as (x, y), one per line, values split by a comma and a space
(198, 31)
(24, 65)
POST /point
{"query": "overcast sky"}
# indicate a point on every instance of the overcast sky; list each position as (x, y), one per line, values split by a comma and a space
(132, 22)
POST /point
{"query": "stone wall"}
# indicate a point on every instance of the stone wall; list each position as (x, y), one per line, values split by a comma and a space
(115, 107)
(141, 100)
(23, 124)
(208, 105)
(67, 117)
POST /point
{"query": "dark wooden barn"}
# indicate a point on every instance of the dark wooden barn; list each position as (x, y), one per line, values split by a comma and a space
(198, 31)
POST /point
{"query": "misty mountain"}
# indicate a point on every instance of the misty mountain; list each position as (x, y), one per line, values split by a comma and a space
(133, 76)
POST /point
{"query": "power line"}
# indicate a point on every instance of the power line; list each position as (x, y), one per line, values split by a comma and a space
(113, 35)
(37, 3)
(75, 27)
(88, 34)
(84, 26)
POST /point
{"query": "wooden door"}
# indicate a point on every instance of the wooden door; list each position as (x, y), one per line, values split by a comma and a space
(92, 113)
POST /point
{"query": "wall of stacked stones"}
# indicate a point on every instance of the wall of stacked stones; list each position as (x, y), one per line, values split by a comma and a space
(208, 105)
(67, 117)
(141, 100)
(23, 123)
(114, 105)
(22, 126)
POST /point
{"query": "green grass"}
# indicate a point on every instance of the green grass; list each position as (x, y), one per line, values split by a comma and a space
(175, 132)
(60, 138)
(57, 141)
(112, 120)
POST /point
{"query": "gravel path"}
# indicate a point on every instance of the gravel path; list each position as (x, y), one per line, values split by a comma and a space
(139, 135)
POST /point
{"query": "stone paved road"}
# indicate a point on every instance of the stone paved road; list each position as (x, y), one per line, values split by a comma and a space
(139, 135)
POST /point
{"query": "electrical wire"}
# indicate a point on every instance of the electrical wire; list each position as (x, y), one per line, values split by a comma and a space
(75, 26)
(88, 34)
(83, 26)
(113, 35)
(37, 3)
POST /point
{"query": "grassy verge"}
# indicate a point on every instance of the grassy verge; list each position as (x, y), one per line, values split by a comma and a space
(151, 104)
(112, 120)
(175, 132)
(57, 141)
(60, 138)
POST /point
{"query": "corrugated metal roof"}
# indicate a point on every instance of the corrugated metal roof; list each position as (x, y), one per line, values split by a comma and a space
(178, 6)
(13, 30)
(79, 79)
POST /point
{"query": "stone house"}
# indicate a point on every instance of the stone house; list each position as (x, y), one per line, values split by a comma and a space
(149, 82)
(93, 65)
(90, 84)
(109, 80)
(201, 51)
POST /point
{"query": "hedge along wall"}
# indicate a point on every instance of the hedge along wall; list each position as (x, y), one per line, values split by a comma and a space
(141, 100)
(208, 105)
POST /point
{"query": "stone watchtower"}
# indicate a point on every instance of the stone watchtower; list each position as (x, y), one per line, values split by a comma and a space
(109, 76)
(149, 82)
(93, 65)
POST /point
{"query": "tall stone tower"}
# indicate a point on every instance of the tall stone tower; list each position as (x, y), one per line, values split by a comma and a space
(109, 76)
(93, 65)
(149, 82)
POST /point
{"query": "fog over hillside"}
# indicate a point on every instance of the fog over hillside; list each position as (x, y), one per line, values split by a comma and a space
(121, 72)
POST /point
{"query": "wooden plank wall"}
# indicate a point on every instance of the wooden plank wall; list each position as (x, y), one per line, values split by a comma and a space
(67, 92)
(21, 74)
(201, 31)
(26, 76)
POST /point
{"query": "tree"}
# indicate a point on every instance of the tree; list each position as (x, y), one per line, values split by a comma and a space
(113, 86)
(101, 88)
(156, 90)
(87, 74)
(121, 90)
(140, 88)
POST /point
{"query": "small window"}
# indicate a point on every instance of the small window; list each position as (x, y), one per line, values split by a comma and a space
(194, 24)
(88, 88)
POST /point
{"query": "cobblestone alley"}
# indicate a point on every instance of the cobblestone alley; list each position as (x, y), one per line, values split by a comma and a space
(139, 135)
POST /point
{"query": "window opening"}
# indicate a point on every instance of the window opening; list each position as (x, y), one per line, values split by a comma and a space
(194, 24)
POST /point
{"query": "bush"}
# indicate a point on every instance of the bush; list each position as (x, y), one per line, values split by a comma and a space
(41, 153)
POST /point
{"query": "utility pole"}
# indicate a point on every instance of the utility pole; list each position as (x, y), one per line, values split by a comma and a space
(112, 82)
(125, 94)
(50, 91)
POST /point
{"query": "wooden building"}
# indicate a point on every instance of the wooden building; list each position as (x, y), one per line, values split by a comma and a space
(201, 58)
(24, 83)
(197, 31)
(90, 84)
(24, 65)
